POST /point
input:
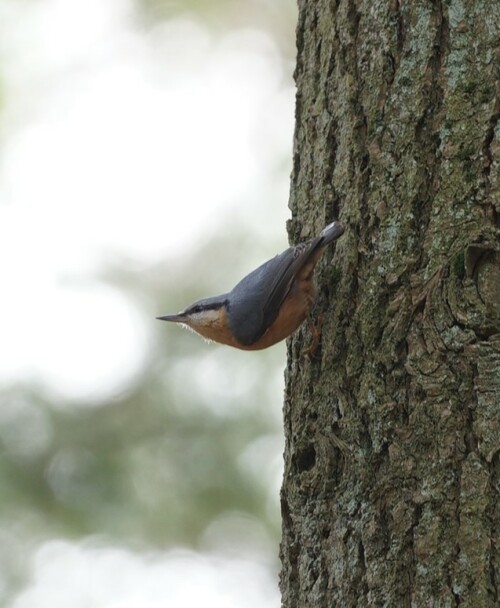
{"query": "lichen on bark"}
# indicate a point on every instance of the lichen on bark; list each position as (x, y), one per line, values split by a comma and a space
(391, 488)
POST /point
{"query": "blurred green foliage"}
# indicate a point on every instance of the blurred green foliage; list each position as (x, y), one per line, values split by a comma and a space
(155, 465)
(191, 438)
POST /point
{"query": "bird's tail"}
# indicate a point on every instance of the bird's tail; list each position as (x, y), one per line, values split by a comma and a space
(330, 233)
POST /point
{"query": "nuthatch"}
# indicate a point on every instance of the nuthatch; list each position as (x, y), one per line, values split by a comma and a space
(268, 304)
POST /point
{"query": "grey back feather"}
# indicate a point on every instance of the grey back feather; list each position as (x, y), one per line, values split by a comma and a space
(256, 300)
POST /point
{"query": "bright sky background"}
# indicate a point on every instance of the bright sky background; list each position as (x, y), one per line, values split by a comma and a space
(124, 143)
(67, 575)
(120, 143)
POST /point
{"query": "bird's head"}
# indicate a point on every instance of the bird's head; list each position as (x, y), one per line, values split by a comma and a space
(204, 316)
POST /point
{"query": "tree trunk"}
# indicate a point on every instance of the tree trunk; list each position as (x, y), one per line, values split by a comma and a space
(391, 488)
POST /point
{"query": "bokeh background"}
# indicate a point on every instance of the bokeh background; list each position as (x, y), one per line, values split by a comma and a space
(145, 153)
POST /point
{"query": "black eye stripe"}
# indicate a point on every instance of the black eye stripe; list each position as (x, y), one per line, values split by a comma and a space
(205, 306)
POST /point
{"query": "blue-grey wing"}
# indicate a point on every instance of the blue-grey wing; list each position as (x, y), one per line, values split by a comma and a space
(257, 298)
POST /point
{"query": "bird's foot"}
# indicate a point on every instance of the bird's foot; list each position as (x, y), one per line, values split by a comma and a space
(315, 329)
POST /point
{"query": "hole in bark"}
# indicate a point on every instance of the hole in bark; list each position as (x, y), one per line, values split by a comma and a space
(306, 458)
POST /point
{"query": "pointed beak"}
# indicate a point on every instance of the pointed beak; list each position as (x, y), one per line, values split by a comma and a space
(178, 318)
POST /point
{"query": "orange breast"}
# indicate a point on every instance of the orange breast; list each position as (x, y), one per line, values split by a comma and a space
(292, 312)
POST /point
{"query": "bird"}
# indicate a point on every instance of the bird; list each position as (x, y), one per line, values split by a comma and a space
(268, 304)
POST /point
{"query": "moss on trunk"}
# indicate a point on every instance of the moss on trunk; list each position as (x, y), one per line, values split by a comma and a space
(391, 487)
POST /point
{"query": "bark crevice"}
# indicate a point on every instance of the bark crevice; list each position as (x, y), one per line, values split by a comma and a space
(392, 446)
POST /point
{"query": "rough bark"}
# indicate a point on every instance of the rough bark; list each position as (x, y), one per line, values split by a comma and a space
(391, 487)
